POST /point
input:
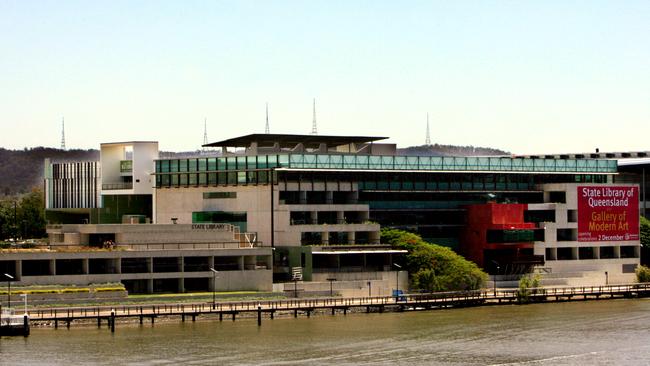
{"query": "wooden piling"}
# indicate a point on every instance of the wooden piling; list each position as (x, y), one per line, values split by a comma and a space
(112, 321)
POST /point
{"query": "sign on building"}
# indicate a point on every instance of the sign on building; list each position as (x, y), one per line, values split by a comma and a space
(608, 213)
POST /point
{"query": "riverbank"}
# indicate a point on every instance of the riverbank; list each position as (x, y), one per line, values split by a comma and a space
(574, 333)
(268, 309)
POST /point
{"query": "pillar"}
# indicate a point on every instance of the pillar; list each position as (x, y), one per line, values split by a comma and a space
(85, 265)
(52, 267)
(351, 237)
(340, 217)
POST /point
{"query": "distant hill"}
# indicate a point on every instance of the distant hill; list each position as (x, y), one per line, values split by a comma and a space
(449, 150)
(21, 170)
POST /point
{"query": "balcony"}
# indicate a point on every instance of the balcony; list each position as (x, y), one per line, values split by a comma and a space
(126, 166)
(117, 186)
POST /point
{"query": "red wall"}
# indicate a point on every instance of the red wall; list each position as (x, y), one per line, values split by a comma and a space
(484, 217)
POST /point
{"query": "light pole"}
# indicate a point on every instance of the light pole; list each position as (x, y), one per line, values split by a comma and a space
(9, 278)
(494, 280)
(331, 281)
(606, 278)
(494, 277)
(397, 280)
(24, 296)
(369, 289)
(214, 287)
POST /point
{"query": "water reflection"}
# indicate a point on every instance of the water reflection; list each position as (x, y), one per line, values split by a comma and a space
(579, 333)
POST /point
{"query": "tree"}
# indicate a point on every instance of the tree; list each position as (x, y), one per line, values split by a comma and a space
(7, 218)
(31, 216)
(527, 285)
(642, 274)
(644, 232)
(434, 267)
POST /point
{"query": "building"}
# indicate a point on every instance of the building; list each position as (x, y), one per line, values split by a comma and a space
(317, 204)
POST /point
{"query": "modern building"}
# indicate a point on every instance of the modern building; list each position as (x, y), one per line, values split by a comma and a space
(317, 204)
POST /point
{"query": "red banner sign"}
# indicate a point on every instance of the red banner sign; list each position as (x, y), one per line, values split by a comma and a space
(608, 213)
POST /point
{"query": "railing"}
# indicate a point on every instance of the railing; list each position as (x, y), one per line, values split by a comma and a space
(433, 299)
(117, 186)
(185, 246)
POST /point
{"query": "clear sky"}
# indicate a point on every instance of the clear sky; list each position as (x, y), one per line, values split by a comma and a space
(523, 76)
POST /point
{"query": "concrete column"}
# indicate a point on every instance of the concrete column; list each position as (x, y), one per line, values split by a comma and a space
(85, 265)
(354, 197)
(150, 286)
(340, 217)
(329, 197)
(313, 215)
(364, 216)
(617, 251)
(302, 196)
(211, 262)
(118, 265)
(150, 265)
(181, 285)
(19, 269)
(241, 266)
(181, 264)
(373, 237)
(325, 237)
(351, 237)
(52, 267)
(574, 253)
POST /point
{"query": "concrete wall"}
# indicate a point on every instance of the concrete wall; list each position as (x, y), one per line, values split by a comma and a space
(256, 202)
(247, 276)
(594, 268)
(355, 284)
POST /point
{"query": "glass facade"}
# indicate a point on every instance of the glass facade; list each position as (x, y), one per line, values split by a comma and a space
(256, 169)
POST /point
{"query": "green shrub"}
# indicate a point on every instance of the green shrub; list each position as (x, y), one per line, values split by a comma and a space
(642, 274)
(109, 289)
(433, 267)
(528, 285)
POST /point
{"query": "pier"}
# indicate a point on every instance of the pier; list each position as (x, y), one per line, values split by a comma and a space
(108, 315)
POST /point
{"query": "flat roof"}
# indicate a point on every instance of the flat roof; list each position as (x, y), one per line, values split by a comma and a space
(287, 140)
(372, 251)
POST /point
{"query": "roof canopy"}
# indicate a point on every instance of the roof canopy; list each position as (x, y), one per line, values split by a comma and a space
(289, 141)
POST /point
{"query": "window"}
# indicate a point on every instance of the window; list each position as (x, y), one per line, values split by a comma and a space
(219, 195)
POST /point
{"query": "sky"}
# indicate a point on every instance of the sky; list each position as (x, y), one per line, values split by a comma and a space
(523, 76)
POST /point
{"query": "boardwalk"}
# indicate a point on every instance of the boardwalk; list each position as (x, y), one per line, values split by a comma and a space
(268, 308)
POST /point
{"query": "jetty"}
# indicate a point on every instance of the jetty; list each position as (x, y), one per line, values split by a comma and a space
(108, 315)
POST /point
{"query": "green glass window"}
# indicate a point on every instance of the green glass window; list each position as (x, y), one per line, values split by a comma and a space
(203, 165)
(212, 164)
(182, 165)
(182, 179)
(192, 165)
(173, 166)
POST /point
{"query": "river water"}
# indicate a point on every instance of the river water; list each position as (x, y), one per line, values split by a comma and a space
(577, 333)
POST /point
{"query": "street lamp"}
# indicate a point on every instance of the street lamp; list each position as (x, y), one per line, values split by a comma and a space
(331, 281)
(9, 278)
(494, 277)
(24, 296)
(214, 287)
(397, 280)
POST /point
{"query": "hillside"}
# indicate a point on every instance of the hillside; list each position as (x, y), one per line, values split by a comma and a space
(450, 150)
(20, 170)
